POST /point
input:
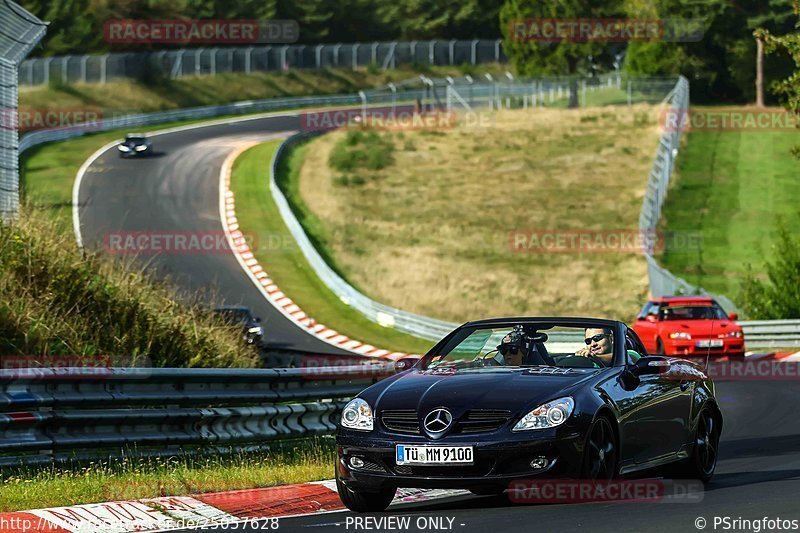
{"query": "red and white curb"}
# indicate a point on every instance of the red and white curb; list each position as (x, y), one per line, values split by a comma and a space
(244, 255)
(223, 509)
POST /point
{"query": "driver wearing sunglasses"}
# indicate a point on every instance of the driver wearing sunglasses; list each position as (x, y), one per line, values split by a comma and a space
(598, 345)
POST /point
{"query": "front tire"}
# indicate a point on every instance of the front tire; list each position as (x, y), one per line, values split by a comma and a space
(703, 462)
(600, 456)
(364, 502)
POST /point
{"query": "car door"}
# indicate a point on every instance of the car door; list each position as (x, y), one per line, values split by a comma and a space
(655, 413)
(647, 329)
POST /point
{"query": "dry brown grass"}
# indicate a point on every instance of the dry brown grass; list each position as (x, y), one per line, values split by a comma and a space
(430, 233)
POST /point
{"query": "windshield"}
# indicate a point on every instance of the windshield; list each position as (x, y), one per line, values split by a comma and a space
(134, 139)
(526, 345)
(234, 316)
(693, 312)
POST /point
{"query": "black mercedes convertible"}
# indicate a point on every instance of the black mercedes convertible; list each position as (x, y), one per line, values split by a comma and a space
(502, 400)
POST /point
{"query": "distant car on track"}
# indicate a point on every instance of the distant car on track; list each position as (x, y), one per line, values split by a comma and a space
(689, 326)
(502, 400)
(242, 317)
(135, 145)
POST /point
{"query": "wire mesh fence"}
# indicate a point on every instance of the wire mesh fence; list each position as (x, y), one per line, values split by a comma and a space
(216, 60)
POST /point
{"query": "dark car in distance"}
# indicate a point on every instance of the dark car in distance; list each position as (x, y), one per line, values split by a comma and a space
(511, 399)
(135, 145)
(242, 317)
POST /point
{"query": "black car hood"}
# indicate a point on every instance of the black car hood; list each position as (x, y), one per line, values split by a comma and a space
(514, 390)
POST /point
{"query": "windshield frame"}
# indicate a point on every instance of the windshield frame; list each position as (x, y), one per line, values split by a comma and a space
(455, 337)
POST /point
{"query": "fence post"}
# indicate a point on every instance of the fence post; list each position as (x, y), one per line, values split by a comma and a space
(64, 69)
(375, 53)
(474, 52)
(431, 52)
(354, 53)
(629, 93)
(318, 55)
(213, 65)
(84, 59)
(248, 53)
(197, 54)
(336, 54)
(284, 62)
(413, 50)
(452, 51)
(497, 50)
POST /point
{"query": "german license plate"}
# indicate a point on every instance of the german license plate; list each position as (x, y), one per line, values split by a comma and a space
(710, 343)
(433, 455)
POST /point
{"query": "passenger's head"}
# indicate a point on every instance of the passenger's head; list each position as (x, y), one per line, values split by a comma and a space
(599, 340)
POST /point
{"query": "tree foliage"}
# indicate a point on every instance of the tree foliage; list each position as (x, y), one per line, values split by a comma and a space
(777, 296)
(788, 88)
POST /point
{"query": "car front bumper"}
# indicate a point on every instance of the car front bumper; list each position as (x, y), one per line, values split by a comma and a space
(497, 462)
(730, 347)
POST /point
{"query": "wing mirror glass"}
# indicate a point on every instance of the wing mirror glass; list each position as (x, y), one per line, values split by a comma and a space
(651, 318)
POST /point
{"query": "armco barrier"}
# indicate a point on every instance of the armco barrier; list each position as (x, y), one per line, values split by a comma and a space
(53, 414)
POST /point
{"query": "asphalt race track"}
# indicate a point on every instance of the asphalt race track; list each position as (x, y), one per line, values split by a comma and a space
(177, 190)
(758, 476)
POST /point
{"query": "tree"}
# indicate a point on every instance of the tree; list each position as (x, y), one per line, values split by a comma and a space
(779, 295)
(788, 88)
(567, 56)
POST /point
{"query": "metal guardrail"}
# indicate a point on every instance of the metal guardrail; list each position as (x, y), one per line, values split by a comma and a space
(101, 68)
(52, 414)
(771, 333)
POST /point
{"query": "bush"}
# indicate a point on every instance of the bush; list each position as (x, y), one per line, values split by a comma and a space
(777, 297)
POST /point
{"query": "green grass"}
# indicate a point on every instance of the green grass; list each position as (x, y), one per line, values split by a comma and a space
(731, 187)
(129, 479)
(288, 268)
(55, 301)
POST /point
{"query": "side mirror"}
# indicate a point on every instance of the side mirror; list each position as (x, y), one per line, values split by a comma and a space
(401, 365)
(652, 364)
(651, 318)
(733, 316)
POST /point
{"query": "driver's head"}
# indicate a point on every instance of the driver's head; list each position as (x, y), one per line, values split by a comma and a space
(513, 349)
(598, 340)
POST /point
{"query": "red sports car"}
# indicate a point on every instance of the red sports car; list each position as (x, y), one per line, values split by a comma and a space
(689, 325)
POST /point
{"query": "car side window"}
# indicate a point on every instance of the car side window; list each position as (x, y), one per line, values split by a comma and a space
(650, 308)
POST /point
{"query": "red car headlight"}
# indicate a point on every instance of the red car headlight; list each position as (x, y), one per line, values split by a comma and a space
(731, 335)
(680, 335)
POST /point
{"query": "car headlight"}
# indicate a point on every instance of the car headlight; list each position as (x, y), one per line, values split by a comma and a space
(680, 335)
(141, 148)
(548, 415)
(357, 414)
(123, 148)
(254, 329)
(731, 335)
